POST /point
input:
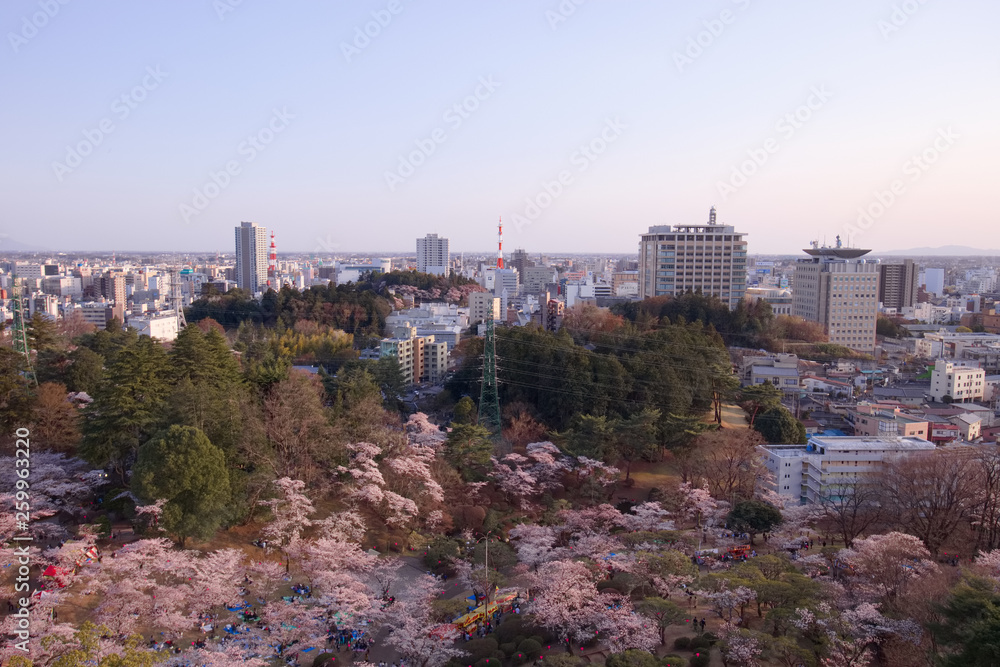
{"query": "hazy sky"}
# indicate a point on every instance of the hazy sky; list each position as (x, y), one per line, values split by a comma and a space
(117, 114)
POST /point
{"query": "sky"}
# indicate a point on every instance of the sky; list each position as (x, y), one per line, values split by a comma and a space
(359, 126)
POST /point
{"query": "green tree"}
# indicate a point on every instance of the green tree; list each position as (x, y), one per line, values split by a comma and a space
(85, 370)
(969, 630)
(758, 398)
(15, 396)
(664, 612)
(779, 426)
(591, 436)
(465, 411)
(637, 437)
(127, 407)
(754, 516)
(468, 449)
(180, 465)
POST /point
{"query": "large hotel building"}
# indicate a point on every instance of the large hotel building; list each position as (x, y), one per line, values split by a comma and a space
(708, 258)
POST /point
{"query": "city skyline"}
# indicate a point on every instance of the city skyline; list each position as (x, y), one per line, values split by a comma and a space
(581, 124)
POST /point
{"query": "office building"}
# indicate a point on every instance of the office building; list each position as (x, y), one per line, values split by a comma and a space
(537, 279)
(433, 256)
(897, 287)
(251, 256)
(43, 304)
(161, 326)
(483, 306)
(837, 289)
(519, 260)
(625, 283)
(708, 258)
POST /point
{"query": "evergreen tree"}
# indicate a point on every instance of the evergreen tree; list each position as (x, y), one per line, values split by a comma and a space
(127, 407)
(180, 465)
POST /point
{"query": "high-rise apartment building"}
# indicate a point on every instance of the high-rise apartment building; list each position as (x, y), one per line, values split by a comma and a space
(708, 258)
(251, 256)
(840, 291)
(113, 286)
(897, 287)
(432, 255)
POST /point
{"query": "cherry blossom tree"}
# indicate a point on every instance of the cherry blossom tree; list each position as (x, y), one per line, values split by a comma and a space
(648, 517)
(887, 563)
(739, 647)
(414, 633)
(621, 628)
(566, 600)
(339, 571)
(697, 502)
(989, 561)
(729, 604)
(421, 431)
(291, 510)
(535, 544)
(147, 584)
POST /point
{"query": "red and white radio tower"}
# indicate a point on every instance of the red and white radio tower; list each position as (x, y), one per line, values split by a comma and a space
(500, 244)
(272, 262)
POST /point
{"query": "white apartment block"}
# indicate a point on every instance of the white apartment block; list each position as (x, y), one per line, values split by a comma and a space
(433, 256)
(840, 291)
(709, 258)
(963, 383)
(828, 465)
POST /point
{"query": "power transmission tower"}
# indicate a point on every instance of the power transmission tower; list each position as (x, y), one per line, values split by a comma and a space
(489, 398)
(175, 298)
(20, 330)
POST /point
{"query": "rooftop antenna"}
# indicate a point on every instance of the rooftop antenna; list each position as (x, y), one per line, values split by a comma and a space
(711, 216)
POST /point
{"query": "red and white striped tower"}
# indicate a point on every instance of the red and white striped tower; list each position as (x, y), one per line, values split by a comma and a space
(500, 244)
(272, 263)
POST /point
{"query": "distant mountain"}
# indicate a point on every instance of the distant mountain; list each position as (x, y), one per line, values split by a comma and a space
(943, 251)
(7, 244)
